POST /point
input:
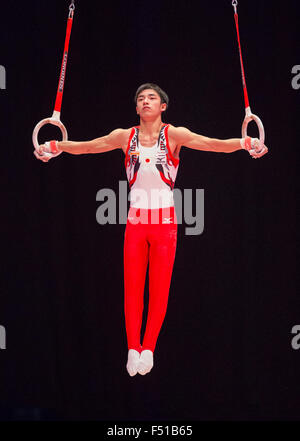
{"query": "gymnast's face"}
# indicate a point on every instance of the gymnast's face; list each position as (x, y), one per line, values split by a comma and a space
(149, 104)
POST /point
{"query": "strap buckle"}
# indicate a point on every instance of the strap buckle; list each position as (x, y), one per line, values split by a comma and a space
(71, 9)
(234, 4)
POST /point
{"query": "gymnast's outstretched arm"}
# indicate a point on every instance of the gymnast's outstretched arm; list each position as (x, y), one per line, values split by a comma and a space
(184, 137)
(114, 140)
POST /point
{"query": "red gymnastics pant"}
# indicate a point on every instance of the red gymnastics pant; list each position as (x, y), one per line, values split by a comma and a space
(150, 237)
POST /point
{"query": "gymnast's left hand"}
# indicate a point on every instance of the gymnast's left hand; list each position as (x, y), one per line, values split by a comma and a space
(41, 156)
(257, 151)
(47, 151)
(252, 145)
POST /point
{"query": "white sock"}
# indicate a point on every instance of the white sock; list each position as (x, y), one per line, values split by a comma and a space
(146, 362)
(132, 363)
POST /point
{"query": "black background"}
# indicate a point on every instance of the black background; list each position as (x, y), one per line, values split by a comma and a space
(224, 351)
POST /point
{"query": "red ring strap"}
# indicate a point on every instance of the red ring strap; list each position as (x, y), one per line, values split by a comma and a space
(241, 60)
(62, 76)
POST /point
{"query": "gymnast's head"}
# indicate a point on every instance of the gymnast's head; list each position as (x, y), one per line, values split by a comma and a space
(150, 100)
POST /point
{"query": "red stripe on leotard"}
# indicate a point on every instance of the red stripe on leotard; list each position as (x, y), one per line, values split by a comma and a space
(167, 181)
(173, 159)
(128, 145)
(133, 180)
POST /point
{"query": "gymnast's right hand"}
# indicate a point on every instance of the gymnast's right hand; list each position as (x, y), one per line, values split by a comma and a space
(47, 151)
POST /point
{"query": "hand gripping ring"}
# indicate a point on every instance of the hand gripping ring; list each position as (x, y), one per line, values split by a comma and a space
(251, 117)
(55, 121)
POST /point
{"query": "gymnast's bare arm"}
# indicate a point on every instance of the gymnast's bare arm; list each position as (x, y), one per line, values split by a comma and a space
(114, 140)
(184, 137)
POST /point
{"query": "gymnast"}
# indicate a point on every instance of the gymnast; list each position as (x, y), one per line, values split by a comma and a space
(151, 152)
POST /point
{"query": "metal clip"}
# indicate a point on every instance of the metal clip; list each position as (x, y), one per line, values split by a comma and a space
(71, 9)
(234, 4)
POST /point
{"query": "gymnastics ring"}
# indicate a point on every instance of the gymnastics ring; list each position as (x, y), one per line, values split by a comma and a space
(55, 118)
(251, 117)
(55, 121)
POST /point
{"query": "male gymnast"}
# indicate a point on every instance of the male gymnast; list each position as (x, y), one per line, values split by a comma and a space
(151, 160)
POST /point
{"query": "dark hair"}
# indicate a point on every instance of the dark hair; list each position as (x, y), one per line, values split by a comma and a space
(163, 96)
